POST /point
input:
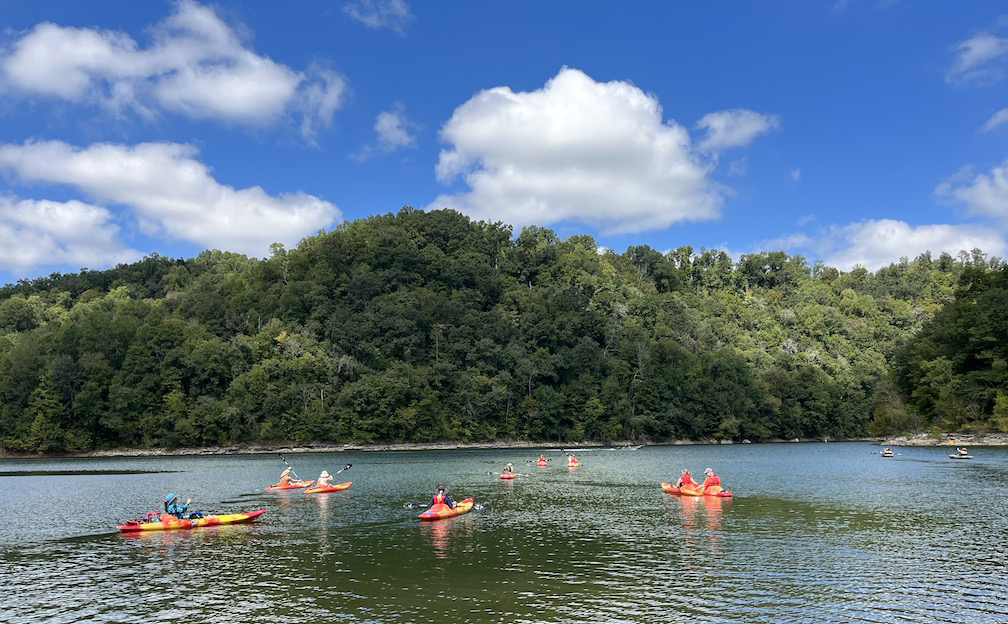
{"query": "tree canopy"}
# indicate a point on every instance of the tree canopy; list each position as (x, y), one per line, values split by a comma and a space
(427, 326)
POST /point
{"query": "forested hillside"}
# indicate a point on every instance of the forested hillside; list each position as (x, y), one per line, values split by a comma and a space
(428, 326)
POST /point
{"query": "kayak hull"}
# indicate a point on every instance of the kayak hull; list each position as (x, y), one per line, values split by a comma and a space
(540, 464)
(325, 489)
(714, 491)
(960, 457)
(440, 511)
(168, 522)
(573, 464)
(290, 486)
(506, 476)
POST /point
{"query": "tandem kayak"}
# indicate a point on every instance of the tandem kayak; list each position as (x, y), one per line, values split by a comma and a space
(290, 486)
(689, 490)
(441, 511)
(507, 475)
(323, 489)
(168, 522)
(960, 457)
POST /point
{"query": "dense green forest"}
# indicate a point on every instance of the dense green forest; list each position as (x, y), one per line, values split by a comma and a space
(429, 326)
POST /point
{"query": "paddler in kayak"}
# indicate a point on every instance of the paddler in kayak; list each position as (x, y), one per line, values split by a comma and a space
(172, 507)
(685, 479)
(542, 460)
(710, 479)
(441, 496)
(285, 478)
(324, 479)
(962, 451)
(509, 469)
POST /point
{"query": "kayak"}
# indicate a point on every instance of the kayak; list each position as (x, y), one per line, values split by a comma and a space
(540, 463)
(507, 475)
(573, 464)
(886, 454)
(324, 489)
(290, 486)
(690, 490)
(960, 457)
(168, 522)
(441, 511)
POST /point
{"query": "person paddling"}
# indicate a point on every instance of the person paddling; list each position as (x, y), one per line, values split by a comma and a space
(285, 478)
(541, 460)
(172, 507)
(962, 451)
(509, 469)
(710, 479)
(685, 479)
(441, 496)
(324, 479)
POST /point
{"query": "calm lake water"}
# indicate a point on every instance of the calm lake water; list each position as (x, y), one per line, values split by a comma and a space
(817, 533)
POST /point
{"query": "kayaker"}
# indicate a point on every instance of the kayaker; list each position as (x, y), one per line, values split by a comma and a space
(685, 479)
(509, 469)
(324, 479)
(710, 479)
(571, 460)
(285, 478)
(962, 451)
(441, 496)
(172, 507)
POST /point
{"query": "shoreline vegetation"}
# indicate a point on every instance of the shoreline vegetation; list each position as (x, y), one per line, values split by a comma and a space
(431, 326)
(919, 439)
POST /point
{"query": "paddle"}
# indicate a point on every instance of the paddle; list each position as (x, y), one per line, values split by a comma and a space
(347, 467)
(291, 468)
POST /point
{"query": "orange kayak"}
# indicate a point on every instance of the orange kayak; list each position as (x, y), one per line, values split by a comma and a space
(691, 490)
(441, 511)
(507, 475)
(168, 522)
(540, 463)
(573, 464)
(290, 486)
(323, 489)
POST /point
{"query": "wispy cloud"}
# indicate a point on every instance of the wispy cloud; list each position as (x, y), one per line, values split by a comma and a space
(979, 60)
(983, 194)
(734, 128)
(394, 131)
(795, 175)
(997, 120)
(575, 151)
(195, 65)
(392, 14)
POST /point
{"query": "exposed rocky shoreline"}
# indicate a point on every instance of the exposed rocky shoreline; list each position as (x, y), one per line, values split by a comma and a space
(949, 439)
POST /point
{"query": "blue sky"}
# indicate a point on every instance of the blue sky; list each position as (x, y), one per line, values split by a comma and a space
(852, 132)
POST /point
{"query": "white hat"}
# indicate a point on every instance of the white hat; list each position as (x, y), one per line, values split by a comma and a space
(324, 474)
(708, 470)
(287, 470)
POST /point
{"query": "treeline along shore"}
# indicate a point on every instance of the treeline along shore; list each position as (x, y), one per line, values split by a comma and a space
(428, 327)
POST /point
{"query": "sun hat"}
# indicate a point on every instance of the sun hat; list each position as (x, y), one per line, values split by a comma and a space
(287, 470)
(324, 474)
(708, 470)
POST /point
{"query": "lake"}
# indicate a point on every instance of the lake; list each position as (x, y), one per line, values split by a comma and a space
(817, 532)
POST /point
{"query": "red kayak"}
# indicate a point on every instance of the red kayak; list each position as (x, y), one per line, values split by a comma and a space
(441, 511)
(541, 462)
(293, 485)
(507, 475)
(691, 490)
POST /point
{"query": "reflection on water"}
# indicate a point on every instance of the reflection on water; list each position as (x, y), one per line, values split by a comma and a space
(820, 533)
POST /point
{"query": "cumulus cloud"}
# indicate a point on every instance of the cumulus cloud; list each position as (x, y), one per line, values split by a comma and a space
(877, 243)
(172, 194)
(997, 120)
(734, 128)
(195, 65)
(36, 234)
(978, 60)
(985, 195)
(574, 151)
(392, 14)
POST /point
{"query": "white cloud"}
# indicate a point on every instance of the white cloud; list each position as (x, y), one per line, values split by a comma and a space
(734, 128)
(978, 60)
(983, 194)
(35, 234)
(998, 119)
(196, 65)
(877, 243)
(392, 14)
(574, 151)
(393, 131)
(172, 194)
(796, 175)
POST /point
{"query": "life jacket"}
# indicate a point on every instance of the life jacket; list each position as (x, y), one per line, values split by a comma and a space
(439, 498)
